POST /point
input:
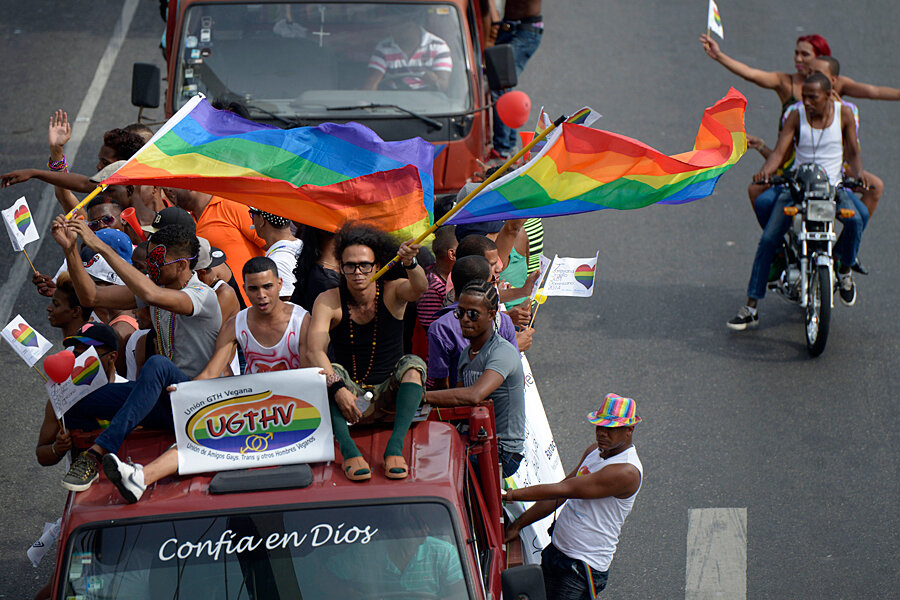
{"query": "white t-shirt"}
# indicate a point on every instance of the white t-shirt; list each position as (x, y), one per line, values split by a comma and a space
(285, 254)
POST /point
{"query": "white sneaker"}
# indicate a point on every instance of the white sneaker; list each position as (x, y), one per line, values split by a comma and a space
(847, 289)
(127, 477)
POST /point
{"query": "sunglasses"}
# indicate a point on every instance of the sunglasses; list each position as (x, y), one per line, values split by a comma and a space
(364, 267)
(104, 221)
(473, 314)
(156, 260)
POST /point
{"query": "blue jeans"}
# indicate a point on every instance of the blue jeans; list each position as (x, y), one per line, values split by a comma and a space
(779, 223)
(147, 402)
(764, 203)
(567, 579)
(524, 44)
(509, 461)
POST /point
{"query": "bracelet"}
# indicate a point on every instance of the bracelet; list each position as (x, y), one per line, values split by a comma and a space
(53, 450)
(333, 389)
(330, 380)
(58, 165)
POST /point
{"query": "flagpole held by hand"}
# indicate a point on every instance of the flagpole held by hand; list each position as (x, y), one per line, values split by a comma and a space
(32, 267)
(84, 202)
(510, 161)
(540, 298)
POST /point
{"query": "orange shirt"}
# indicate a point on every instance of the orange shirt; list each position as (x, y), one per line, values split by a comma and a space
(227, 226)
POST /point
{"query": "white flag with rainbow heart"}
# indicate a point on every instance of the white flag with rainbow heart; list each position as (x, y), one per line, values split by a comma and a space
(27, 342)
(571, 277)
(87, 376)
(20, 225)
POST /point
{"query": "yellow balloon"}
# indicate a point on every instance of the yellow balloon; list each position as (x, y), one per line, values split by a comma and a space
(540, 297)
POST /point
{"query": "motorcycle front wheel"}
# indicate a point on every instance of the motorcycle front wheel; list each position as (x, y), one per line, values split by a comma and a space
(818, 311)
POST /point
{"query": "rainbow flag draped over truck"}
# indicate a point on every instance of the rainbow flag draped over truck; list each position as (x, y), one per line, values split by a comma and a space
(320, 176)
(582, 169)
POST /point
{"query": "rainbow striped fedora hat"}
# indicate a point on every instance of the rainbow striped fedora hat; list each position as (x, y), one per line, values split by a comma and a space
(616, 411)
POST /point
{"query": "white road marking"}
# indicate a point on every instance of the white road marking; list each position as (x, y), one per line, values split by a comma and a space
(48, 205)
(716, 554)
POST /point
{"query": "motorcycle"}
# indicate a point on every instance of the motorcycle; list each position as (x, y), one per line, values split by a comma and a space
(809, 277)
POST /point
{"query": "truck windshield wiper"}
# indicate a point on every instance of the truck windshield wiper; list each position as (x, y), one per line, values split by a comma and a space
(428, 121)
(279, 118)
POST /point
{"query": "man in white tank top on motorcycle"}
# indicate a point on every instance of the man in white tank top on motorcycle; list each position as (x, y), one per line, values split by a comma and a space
(823, 131)
(596, 497)
(271, 333)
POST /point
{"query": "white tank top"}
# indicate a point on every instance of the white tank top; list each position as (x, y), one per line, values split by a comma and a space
(824, 147)
(280, 357)
(588, 530)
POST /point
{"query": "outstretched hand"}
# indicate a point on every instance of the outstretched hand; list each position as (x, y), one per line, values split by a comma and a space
(14, 177)
(87, 234)
(711, 46)
(59, 131)
(64, 236)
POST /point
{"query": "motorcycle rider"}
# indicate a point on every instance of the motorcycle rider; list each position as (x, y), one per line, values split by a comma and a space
(823, 131)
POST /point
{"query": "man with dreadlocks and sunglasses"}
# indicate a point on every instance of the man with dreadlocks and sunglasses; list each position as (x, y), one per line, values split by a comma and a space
(490, 370)
(184, 313)
(363, 321)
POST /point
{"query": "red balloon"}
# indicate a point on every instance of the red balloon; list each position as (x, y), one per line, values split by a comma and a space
(513, 108)
(59, 366)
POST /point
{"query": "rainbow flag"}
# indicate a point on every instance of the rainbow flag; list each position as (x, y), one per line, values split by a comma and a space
(321, 176)
(583, 169)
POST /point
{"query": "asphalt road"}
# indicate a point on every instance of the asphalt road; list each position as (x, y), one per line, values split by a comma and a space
(743, 421)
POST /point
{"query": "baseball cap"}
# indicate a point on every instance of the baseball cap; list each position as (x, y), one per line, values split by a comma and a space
(99, 269)
(171, 215)
(209, 256)
(118, 241)
(94, 334)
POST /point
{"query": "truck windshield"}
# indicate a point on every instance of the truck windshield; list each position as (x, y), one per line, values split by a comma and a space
(379, 551)
(296, 61)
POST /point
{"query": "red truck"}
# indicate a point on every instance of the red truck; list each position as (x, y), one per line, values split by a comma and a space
(303, 63)
(303, 531)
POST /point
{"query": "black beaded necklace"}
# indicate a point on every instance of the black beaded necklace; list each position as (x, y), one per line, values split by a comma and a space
(353, 375)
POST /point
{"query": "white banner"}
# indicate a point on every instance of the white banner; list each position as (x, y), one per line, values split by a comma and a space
(27, 342)
(87, 375)
(20, 225)
(571, 277)
(274, 418)
(540, 465)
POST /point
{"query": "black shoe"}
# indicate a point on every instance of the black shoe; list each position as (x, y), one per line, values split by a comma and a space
(847, 290)
(83, 472)
(743, 320)
(859, 268)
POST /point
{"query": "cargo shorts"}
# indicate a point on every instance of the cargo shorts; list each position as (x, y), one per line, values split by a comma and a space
(383, 405)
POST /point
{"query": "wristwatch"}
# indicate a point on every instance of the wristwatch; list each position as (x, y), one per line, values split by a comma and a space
(411, 265)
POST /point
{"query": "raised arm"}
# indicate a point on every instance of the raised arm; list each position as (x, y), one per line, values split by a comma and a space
(847, 87)
(88, 292)
(411, 288)
(770, 80)
(140, 285)
(58, 133)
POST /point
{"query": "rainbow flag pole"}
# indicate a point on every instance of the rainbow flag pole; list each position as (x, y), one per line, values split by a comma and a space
(83, 203)
(498, 173)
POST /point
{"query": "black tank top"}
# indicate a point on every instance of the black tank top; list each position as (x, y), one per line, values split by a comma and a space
(384, 330)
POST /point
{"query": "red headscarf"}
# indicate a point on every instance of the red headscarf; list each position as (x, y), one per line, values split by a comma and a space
(820, 46)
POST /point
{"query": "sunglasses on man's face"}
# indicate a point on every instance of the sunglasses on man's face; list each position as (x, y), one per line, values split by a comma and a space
(364, 267)
(104, 221)
(156, 260)
(471, 313)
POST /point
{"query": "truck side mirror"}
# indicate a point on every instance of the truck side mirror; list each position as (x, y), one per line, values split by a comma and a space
(500, 67)
(145, 79)
(525, 582)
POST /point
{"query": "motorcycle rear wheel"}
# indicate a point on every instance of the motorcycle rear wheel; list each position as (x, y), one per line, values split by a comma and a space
(818, 311)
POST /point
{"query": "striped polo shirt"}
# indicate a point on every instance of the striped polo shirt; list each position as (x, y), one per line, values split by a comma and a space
(433, 54)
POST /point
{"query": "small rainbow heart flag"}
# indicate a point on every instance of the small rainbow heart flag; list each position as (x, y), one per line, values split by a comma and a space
(714, 21)
(26, 341)
(571, 277)
(20, 224)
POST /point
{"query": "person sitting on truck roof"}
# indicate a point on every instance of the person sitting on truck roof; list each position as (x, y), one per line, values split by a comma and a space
(363, 321)
(272, 335)
(178, 301)
(410, 59)
(445, 337)
(490, 369)
(598, 496)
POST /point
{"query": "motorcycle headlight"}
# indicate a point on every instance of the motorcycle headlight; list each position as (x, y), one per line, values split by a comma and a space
(820, 210)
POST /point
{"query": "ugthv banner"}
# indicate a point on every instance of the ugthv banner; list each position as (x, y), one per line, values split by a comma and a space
(275, 418)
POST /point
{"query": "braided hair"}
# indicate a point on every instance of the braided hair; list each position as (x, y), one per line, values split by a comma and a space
(489, 294)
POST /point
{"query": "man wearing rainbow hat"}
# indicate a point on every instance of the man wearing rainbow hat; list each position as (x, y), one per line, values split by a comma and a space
(596, 497)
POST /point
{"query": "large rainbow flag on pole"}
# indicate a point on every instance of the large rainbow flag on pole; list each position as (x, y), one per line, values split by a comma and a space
(582, 169)
(321, 176)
